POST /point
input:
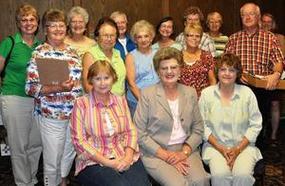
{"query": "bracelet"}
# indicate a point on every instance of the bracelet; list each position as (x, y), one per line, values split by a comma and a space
(186, 153)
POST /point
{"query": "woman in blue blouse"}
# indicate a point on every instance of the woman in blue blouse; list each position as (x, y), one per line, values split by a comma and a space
(232, 123)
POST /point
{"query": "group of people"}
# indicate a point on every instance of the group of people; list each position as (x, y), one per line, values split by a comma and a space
(140, 104)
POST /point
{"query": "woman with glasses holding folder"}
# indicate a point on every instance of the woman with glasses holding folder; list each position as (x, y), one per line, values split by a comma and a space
(54, 101)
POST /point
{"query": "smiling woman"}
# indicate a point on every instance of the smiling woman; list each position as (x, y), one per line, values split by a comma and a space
(54, 102)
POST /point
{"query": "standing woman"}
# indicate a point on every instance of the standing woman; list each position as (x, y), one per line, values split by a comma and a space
(165, 34)
(232, 122)
(106, 33)
(198, 68)
(54, 102)
(104, 135)
(140, 70)
(77, 20)
(17, 107)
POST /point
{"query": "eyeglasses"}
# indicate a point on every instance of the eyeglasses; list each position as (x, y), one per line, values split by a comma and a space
(77, 22)
(228, 69)
(193, 36)
(172, 68)
(54, 26)
(108, 36)
(28, 20)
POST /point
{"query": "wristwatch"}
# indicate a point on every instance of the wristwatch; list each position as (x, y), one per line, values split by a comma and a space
(187, 153)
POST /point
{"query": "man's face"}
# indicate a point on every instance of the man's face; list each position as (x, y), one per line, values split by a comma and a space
(267, 23)
(249, 16)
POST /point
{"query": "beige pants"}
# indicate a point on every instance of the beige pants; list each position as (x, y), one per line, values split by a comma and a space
(167, 175)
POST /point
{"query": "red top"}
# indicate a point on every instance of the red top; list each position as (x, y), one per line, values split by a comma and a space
(196, 75)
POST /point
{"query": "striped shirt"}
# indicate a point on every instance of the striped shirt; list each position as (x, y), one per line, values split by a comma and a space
(258, 52)
(101, 129)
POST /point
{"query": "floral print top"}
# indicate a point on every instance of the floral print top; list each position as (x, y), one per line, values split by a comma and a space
(196, 75)
(55, 105)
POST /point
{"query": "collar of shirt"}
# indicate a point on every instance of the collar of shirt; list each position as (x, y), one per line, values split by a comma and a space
(235, 95)
(98, 103)
(18, 39)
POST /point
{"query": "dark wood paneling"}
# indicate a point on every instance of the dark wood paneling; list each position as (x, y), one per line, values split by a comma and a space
(151, 10)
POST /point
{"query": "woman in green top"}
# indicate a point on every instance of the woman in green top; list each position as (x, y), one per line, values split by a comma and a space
(17, 107)
(106, 33)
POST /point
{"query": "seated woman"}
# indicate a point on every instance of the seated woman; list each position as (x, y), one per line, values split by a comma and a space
(232, 123)
(140, 71)
(197, 70)
(170, 126)
(104, 135)
(165, 34)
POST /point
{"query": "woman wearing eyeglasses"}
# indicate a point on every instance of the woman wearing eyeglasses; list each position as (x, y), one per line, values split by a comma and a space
(197, 70)
(16, 107)
(77, 20)
(106, 33)
(54, 102)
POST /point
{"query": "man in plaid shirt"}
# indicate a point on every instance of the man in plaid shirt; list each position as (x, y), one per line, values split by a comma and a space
(260, 54)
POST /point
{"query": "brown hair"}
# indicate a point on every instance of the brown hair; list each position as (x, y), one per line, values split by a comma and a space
(230, 60)
(193, 10)
(53, 15)
(167, 53)
(101, 66)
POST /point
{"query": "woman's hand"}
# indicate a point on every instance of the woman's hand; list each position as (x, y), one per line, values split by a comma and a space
(233, 154)
(67, 86)
(175, 157)
(183, 167)
(119, 165)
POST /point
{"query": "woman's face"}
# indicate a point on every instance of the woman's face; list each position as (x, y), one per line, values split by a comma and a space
(102, 83)
(214, 24)
(169, 71)
(107, 37)
(55, 32)
(227, 75)
(28, 25)
(143, 39)
(193, 39)
(166, 29)
(77, 25)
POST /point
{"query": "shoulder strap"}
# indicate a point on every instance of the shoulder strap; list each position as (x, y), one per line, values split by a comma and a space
(8, 57)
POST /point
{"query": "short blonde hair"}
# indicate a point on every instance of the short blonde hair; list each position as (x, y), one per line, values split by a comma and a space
(194, 27)
(213, 14)
(101, 66)
(142, 25)
(77, 10)
(118, 13)
(25, 10)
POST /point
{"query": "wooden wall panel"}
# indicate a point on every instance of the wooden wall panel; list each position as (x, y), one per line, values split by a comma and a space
(152, 10)
(135, 9)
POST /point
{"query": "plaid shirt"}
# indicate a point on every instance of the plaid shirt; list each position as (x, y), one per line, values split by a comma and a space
(206, 43)
(258, 52)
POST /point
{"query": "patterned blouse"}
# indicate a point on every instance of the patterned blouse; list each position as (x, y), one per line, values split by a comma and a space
(54, 105)
(101, 129)
(196, 75)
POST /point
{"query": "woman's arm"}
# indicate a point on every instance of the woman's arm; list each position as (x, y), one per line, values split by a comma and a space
(131, 76)
(87, 61)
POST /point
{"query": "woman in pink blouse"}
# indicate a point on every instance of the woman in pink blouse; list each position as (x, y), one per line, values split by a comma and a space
(104, 135)
(197, 70)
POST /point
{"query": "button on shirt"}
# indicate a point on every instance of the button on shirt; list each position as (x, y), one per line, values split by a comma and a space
(101, 129)
(258, 52)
